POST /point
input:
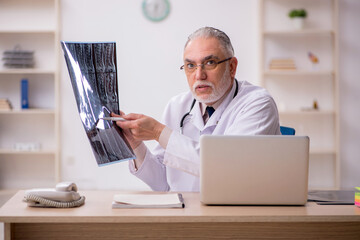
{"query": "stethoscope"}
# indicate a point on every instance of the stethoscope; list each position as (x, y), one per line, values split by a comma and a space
(193, 104)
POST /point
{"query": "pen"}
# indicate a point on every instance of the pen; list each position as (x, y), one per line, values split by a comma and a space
(113, 118)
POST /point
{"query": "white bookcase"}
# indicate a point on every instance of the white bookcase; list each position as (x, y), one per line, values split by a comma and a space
(34, 25)
(296, 90)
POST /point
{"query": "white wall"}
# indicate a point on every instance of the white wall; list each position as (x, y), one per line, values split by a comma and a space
(149, 57)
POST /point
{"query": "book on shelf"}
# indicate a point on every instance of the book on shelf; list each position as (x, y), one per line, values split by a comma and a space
(148, 200)
(5, 104)
(282, 64)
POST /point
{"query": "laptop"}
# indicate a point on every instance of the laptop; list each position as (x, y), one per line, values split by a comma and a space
(254, 170)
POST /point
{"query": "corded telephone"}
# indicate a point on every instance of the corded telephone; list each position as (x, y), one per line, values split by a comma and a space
(64, 195)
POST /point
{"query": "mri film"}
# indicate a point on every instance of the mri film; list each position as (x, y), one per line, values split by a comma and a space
(93, 74)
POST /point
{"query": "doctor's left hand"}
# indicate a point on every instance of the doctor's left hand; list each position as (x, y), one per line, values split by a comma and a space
(141, 127)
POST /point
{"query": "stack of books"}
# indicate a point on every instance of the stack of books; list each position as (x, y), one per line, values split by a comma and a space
(18, 58)
(282, 64)
(5, 104)
(357, 196)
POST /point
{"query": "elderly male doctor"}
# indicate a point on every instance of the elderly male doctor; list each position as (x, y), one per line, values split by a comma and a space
(216, 104)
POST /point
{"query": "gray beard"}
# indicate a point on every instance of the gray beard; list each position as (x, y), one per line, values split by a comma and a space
(216, 94)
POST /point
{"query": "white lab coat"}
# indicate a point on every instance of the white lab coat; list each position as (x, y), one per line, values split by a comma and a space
(176, 168)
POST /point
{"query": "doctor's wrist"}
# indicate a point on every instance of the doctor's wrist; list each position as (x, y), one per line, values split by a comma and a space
(164, 137)
(158, 130)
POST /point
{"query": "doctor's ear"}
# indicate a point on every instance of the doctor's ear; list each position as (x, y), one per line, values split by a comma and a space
(233, 66)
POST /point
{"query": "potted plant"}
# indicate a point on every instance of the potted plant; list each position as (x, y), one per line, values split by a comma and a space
(298, 16)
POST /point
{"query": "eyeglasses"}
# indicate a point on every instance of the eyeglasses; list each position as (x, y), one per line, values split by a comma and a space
(206, 65)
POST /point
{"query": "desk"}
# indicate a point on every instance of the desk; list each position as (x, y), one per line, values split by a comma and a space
(97, 220)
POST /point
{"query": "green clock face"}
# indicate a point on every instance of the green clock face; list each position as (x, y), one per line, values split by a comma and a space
(156, 10)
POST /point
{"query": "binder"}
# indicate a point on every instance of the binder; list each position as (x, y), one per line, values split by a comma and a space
(24, 94)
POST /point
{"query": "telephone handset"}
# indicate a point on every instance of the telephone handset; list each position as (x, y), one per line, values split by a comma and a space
(64, 195)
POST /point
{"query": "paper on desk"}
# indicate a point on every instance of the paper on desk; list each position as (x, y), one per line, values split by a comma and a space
(148, 199)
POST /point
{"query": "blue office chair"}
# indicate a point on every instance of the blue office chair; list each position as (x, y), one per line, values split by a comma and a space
(287, 130)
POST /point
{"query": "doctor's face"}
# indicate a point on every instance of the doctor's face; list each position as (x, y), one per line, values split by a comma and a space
(208, 83)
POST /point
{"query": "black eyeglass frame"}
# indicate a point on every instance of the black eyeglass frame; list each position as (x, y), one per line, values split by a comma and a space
(202, 65)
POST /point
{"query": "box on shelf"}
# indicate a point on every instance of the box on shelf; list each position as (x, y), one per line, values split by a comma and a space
(31, 146)
(18, 58)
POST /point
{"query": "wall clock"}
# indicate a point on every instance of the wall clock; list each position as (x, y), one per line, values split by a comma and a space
(156, 10)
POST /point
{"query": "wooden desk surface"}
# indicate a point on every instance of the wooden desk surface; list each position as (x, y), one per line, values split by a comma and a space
(97, 208)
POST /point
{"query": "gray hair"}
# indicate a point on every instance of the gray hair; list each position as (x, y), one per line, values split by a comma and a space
(210, 32)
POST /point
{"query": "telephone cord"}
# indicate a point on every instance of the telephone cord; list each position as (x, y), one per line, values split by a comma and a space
(50, 203)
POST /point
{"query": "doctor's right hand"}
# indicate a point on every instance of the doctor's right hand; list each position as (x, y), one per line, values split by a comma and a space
(127, 133)
(141, 127)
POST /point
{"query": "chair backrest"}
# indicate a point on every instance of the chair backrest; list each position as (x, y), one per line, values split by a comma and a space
(287, 130)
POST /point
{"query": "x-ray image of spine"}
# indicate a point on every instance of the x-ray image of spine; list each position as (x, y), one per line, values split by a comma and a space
(93, 74)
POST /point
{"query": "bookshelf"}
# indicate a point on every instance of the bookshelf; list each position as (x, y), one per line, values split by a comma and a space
(295, 91)
(34, 25)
